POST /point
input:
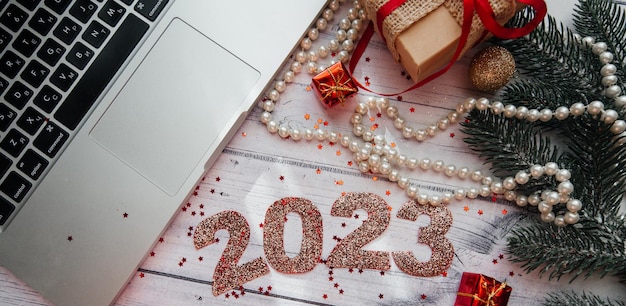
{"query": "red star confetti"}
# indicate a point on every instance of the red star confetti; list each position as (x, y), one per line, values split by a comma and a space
(367, 83)
(70, 238)
(381, 296)
(423, 296)
(184, 208)
(201, 206)
(350, 163)
(261, 225)
(444, 273)
(282, 178)
(325, 123)
(141, 275)
(480, 212)
(200, 258)
(152, 254)
(393, 144)
(412, 109)
(161, 240)
(307, 116)
(452, 135)
(318, 171)
(399, 98)
(338, 153)
(495, 261)
(325, 296)
(511, 273)
(382, 273)
(125, 215)
(217, 179)
(501, 256)
(367, 59)
(336, 285)
(244, 134)
(504, 211)
(367, 78)
(374, 178)
(320, 146)
(387, 192)
(374, 127)
(341, 291)
(466, 208)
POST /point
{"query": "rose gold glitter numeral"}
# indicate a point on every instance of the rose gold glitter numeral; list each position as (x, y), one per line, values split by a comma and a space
(432, 235)
(228, 275)
(312, 235)
(348, 253)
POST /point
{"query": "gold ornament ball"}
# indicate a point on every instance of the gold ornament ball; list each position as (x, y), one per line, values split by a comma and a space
(491, 68)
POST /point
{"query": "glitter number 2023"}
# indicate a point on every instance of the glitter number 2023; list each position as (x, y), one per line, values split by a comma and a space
(348, 253)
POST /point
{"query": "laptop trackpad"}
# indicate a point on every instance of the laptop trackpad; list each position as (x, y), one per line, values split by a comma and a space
(175, 105)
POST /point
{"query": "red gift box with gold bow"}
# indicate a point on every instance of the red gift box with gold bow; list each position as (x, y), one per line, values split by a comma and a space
(334, 85)
(480, 290)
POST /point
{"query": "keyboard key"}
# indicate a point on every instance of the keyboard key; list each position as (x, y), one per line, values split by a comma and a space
(95, 34)
(111, 13)
(67, 30)
(3, 85)
(26, 42)
(18, 95)
(42, 22)
(6, 209)
(83, 9)
(5, 164)
(5, 38)
(79, 56)
(31, 120)
(15, 186)
(14, 142)
(32, 164)
(103, 68)
(29, 4)
(13, 18)
(150, 8)
(10, 64)
(58, 6)
(51, 52)
(47, 98)
(3, 3)
(35, 73)
(63, 77)
(127, 2)
(51, 139)
(7, 115)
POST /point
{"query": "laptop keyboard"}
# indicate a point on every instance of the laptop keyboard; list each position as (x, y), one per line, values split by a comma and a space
(56, 58)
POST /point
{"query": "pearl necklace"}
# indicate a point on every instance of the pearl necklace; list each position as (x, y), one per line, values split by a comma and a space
(376, 156)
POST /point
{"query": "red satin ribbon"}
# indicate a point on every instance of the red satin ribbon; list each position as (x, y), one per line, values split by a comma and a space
(487, 17)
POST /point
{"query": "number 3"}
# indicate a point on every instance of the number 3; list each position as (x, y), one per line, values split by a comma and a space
(432, 235)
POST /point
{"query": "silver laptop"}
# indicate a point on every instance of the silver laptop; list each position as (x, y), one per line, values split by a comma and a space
(110, 112)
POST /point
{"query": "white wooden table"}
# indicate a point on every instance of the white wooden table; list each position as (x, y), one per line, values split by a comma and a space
(258, 168)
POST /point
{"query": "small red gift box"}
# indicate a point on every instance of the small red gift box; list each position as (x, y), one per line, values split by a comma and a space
(334, 85)
(480, 290)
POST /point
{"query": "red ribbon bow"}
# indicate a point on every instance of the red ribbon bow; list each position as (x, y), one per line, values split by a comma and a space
(484, 11)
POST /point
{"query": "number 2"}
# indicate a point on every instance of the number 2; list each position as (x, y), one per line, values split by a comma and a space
(228, 275)
(348, 253)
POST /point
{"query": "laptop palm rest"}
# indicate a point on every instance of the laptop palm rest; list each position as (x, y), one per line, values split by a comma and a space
(201, 87)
